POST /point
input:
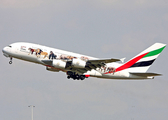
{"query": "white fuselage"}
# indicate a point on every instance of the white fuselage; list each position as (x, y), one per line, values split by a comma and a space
(21, 50)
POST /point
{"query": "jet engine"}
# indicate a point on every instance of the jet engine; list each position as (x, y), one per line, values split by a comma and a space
(59, 64)
(52, 69)
(78, 63)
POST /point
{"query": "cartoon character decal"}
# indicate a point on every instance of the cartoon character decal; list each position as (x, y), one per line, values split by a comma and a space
(111, 70)
(103, 68)
(40, 52)
(84, 58)
(66, 57)
(52, 55)
(31, 51)
(106, 69)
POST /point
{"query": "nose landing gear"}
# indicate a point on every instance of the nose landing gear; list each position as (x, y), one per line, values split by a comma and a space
(10, 62)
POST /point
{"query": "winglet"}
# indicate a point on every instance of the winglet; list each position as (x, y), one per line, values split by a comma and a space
(122, 60)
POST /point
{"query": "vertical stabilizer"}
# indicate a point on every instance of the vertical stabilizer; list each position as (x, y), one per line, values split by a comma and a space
(144, 60)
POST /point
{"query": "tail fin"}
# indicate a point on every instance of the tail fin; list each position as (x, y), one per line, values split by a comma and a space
(144, 60)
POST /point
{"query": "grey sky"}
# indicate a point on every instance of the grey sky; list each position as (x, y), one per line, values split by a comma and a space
(99, 28)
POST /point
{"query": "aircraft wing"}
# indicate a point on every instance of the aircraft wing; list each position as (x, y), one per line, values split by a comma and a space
(93, 64)
(90, 64)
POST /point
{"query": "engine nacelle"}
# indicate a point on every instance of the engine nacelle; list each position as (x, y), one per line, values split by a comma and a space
(52, 69)
(59, 64)
(78, 63)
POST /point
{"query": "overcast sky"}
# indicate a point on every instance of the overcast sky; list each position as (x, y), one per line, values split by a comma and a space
(99, 28)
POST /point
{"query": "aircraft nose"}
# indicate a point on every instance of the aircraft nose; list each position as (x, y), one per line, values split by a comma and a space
(3, 50)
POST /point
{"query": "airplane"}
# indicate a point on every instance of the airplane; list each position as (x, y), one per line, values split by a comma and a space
(79, 67)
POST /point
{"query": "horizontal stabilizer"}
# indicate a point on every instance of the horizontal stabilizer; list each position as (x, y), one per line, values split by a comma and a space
(146, 74)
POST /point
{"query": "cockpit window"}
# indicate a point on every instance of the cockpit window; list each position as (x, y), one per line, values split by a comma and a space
(9, 46)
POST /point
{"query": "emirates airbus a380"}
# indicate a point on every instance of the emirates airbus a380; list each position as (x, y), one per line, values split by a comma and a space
(78, 66)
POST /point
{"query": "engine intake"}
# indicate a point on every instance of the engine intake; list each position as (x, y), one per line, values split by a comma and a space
(59, 64)
(78, 63)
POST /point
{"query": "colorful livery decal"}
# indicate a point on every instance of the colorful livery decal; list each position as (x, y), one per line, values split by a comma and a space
(143, 64)
(143, 60)
(155, 52)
